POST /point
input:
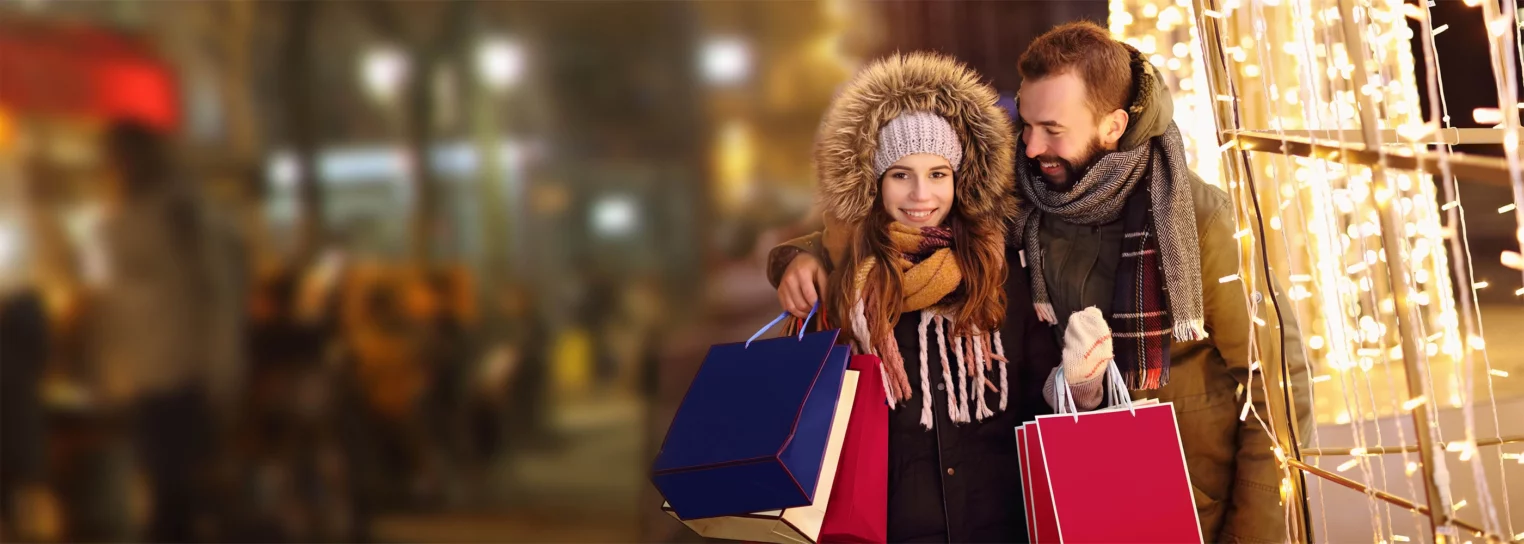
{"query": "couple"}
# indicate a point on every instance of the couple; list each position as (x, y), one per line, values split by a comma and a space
(964, 280)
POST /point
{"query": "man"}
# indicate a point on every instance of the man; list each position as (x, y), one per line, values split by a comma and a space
(1110, 217)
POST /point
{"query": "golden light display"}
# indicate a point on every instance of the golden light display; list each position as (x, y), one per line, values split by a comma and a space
(1164, 31)
(1338, 75)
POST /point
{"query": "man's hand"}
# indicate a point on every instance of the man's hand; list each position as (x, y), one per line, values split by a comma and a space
(802, 284)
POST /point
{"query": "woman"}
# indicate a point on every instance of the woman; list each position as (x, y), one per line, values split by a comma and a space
(915, 159)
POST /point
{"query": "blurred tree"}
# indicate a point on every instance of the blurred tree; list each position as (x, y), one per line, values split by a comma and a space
(429, 33)
(301, 131)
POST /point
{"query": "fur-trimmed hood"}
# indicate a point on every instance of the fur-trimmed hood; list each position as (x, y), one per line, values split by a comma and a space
(901, 83)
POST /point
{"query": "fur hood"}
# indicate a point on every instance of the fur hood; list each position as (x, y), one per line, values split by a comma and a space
(889, 87)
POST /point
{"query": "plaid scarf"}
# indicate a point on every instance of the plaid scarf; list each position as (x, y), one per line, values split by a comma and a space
(1151, 186)
(1141, 317)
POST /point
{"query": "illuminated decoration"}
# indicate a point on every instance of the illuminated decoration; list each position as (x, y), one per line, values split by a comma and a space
(615, 216)
(1163, 30)
(735, 163)
(383, 70)
(1346, 201)
(726, 61)
(501, 62)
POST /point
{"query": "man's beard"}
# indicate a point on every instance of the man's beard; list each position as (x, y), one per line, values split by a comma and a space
(1072, 174)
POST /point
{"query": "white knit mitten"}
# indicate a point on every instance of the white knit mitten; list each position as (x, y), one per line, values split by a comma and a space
(1087, 351)
(1087, 346)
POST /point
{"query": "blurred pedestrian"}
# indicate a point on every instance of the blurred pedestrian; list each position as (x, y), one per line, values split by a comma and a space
(167, 327)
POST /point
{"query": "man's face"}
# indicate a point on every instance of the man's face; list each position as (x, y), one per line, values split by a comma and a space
(1063, 137)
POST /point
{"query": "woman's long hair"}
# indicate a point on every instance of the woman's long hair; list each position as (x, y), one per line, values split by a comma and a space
(979, 250)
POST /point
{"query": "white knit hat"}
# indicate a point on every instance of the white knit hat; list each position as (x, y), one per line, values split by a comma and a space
(916, 132)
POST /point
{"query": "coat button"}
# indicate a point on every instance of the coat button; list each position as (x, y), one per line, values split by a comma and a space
(950, 471)
(940, 387)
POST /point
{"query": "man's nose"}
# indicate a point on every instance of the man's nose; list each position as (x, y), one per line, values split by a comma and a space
(1035, 145)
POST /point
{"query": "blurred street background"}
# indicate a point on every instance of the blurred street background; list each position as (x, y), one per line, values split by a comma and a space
(412, 270)
(401, 270)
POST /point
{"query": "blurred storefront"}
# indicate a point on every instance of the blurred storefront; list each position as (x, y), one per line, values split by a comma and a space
(522, 219)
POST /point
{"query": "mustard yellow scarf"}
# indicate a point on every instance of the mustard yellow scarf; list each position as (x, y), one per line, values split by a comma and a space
(930, 277)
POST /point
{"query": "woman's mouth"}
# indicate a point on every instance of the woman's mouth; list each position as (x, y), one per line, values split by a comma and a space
(918, 215)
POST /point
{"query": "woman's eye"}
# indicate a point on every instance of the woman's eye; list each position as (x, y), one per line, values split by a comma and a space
(901, 175)
(938, 175)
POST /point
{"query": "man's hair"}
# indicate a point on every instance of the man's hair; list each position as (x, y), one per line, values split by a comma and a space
(1089, 52)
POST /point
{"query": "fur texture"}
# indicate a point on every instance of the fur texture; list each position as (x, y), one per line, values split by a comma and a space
(848, 137)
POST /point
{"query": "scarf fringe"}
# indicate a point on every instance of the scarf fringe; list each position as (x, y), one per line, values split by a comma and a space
(865, 346)
(1000, 352)
(982, 363)
(1045, 312)
(947, 379)
(1190, 329)
(977, 357)
(926, 414)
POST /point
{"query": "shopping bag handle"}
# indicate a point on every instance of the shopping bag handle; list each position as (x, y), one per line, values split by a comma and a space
(1116, 392)
(780, 318)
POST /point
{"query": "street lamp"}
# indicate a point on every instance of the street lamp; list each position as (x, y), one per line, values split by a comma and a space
(500, 62)
(726, 61)
(383, 69)
(614, 216)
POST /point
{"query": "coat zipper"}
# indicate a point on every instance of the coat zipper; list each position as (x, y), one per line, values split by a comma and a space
(1096, 245)
(942, 469)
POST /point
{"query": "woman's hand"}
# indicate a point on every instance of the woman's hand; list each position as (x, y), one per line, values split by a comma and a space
(802, 285)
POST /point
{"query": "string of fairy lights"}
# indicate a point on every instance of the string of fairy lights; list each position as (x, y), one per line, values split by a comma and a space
(1292, 74)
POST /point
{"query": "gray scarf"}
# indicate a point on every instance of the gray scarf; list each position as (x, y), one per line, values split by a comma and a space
(1099, 197)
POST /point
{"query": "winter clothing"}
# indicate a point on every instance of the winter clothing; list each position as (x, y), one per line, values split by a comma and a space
(1149, 185)
(1233, 468)
(930, 275)
(953, 461)
(1087, 346)
(960, 482)
(900, 84)
(1234, 473)
(896, 104)
(1087, 353)
(916, 132)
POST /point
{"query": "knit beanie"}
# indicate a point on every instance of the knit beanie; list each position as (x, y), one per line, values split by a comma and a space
(916, 132)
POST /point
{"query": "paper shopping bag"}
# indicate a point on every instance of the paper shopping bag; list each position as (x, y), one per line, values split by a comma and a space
(751, 432)
(1116, 475)
(859, 510)
(1024, 468)
(791, 525)
(1040, 501)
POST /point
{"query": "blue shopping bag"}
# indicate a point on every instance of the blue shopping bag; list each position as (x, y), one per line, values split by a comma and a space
(751, 433)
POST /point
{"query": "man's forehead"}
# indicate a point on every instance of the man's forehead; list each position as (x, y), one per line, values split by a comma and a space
(1052, 96)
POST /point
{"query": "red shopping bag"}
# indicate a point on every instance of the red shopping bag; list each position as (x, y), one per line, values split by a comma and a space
(1113, 475)
(1036, 492)
(1026, 481)
(859, 507)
